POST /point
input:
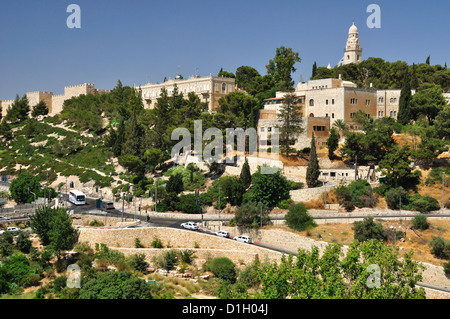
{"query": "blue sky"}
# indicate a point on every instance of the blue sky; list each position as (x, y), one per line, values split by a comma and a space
(136, 40)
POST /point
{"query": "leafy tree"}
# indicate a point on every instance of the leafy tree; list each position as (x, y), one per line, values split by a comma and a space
(298, 218)
(268, 189)
(332, 143)
(137, 262)
(395, 196)
(428, 101)
(312, 171)
(442, 123)
(54, 228)
(132, 136)
(23, 243)
(333, 276)
(175, 184)
(240, 108)
(292, 122)
(40, 109)
(13, 271)
(395, 165)
(404, 106)
(368, 229)
(250, 214)
(115, 285)
(21, 188)
(188, 204)
(223, 268)
(246, 176)
(440, 247)
(233, 189)
(281, 67)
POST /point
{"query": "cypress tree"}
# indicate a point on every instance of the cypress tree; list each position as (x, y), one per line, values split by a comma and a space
(313, 170)
(314, 70)
(246, 176)
(414, 82)
(404, 106)
(120, 138)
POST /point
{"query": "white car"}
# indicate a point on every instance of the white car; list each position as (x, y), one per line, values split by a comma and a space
(4, 218)
(243, 239)
(223, 233)
(190, 225)
(13, 229)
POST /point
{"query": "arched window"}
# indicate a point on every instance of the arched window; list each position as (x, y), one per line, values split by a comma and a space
(311, 102)
(224, 87)
(311, 115)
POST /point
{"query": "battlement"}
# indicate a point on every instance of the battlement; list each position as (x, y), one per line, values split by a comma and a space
(90, 85)
(40, 92)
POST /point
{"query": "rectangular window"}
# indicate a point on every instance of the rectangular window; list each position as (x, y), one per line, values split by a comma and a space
(332, 115)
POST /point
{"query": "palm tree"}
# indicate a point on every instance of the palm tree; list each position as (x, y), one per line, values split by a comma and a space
(340, 126)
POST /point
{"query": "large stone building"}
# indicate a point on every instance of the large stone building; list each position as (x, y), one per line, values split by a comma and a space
(54, 102)
(209, 89)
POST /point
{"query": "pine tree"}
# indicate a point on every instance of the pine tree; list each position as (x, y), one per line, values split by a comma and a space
(428, 60)
(404, 106)
(291, 120)
(39, 109)
(246, 176)
(313, 170)
(133, 137)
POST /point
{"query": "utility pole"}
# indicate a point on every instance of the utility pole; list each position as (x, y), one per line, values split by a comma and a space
(260, 209)
(219, 205)
(123, 204)
(443, 190)
(156, 195)
(325, 185)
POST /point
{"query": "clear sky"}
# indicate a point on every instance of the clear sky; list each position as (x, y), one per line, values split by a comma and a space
(138, 41)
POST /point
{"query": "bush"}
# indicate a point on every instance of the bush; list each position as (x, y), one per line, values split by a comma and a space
(137, 262)
(424, 204)
(367, 229)
(447, 268)
(421, 222)
(394, 196)
(188, 204)
(157, 243)
(285, 203)
(187, 256)
(249, 215)
(440, 247)
(298, 218)
(223, 268)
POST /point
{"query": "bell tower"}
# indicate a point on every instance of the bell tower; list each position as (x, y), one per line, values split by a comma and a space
(353, 51)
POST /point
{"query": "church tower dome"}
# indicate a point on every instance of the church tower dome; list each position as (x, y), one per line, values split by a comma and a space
(353, 51)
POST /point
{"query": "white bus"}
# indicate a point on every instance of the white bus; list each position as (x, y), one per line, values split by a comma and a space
(77, 197)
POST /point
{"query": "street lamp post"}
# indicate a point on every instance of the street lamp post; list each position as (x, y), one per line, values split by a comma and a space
(443, 190)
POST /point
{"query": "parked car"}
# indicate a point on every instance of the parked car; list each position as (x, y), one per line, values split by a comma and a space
(131, 226)
(13, 229)
(190, 225)
(223, 233)
(4, 218)
(108, 205)
(243, 239)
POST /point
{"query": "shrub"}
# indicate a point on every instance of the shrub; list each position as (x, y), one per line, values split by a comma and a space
(157, 243)
(421, 222)
(137, 243)
(394, 196)
(285, 203)
(367, 229)
(249, 215)
(424, 204)
(223, 268)
(137, 262)
(447, 268)
(188, 204)
(298, 218)
(187, 256)
(440, 247)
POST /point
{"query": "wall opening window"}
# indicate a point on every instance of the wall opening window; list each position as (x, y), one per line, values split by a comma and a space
(311, 102)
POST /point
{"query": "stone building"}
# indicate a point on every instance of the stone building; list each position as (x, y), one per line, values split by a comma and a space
(209, 89)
